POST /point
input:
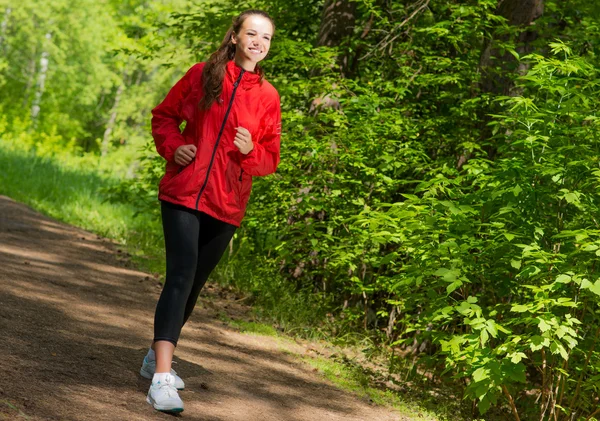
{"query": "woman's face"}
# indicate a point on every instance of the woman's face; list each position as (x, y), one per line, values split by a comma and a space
(253, 41)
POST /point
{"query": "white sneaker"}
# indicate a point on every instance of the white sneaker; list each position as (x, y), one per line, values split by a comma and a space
(149, 368)
(164, 397)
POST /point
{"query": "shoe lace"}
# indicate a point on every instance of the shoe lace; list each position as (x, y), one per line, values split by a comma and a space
(168, 388)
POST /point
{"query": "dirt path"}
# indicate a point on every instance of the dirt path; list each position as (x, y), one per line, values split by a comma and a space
(75, 321)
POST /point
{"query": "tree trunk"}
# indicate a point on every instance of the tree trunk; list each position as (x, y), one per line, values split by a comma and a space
(496, 69)
(518, 13)
(3, 27)
(111, 121)
(39, 90)
(30, 79)
(337, 24)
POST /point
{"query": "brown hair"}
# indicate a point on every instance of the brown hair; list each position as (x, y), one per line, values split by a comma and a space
(214, 69)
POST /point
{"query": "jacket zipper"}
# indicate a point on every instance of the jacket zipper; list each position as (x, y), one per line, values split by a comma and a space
(212, 158)
(241, 173)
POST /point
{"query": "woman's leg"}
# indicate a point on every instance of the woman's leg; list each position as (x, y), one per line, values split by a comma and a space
(181, 228)
(164, 356)
(213, 240)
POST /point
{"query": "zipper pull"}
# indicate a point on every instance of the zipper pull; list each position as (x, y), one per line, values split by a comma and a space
(241, 173)
(237, 82)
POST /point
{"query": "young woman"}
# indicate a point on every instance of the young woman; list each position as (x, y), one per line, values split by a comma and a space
(232, 133)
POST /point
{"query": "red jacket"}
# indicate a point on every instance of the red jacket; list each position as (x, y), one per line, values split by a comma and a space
(218, 181)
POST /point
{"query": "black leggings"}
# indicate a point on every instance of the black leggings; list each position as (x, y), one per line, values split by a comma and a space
(194, 244)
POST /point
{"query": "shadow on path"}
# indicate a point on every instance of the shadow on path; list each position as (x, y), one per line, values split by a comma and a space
(76, 323)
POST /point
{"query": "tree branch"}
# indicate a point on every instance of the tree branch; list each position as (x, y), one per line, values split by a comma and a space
(390, 38)
(511, 402)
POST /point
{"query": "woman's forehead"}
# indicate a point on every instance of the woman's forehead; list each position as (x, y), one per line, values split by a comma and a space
(259, 24)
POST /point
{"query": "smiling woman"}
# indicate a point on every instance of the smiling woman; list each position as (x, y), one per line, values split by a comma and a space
(232, 133)
(252, 30)
(253, 41)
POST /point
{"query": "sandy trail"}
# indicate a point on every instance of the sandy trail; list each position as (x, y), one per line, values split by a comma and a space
(75, 319)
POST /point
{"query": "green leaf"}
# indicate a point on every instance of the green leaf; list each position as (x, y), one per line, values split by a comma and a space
(571, 198)
(544, 326)
(388, 258)
(505, 330)
(480, 374)
(515, 263)
(449, 275)
(515, 372)
(484, 336)
(453, 286)
(520, 308)
(537, 342)
(516, 357)
(517, 190)
(595, 288)
(484, 404)
(557, 348)
(491, 328)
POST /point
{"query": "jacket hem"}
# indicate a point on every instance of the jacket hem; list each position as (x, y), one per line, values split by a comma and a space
(201, 208)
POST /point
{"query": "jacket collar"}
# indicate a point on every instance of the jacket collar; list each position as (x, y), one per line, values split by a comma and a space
(249, 79)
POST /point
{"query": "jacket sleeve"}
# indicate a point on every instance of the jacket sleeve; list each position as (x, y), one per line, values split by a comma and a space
(264, 158)
(167, 116)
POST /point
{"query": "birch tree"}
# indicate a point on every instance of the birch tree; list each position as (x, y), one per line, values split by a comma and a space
(41, 81)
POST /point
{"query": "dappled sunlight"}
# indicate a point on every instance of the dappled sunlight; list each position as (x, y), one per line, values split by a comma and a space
(28, 254)
(92, 399)
(107, 268)
(80, 324)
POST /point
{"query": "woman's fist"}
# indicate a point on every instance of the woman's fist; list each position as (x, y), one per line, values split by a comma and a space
(243, 140)
(184, 154)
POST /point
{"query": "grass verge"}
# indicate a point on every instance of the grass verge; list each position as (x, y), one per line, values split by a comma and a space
(15, 413)
(356, 381)
(422, 402)
(71, 190)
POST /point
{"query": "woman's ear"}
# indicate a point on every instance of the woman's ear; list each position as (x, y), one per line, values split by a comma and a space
(233, 40)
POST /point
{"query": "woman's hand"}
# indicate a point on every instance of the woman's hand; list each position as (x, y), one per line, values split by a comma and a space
(184, 155)
(243, 140)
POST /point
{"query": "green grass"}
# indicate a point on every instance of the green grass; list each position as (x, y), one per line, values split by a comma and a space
(253, 327)
(275, 299)
(350, 376)
(70, 190)
(19, 414)
(354, 379)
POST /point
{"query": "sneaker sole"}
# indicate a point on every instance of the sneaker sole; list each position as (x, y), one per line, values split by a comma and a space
(162, 409)
(147, 375)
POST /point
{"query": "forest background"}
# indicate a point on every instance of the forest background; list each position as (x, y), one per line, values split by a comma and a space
(437, 199)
